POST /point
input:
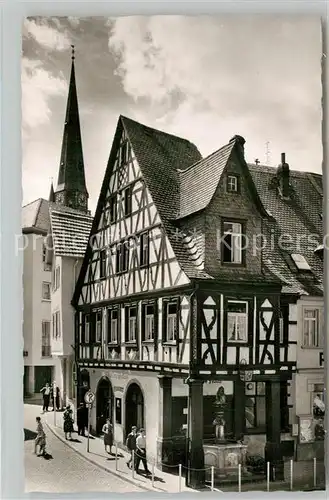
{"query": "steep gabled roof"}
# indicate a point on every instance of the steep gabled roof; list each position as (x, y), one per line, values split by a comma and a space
(35, 216)
(70, 230)
(195, 192)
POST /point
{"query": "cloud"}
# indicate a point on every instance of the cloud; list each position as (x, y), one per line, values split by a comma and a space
(45, 35)
(208, 77)
(38, 87)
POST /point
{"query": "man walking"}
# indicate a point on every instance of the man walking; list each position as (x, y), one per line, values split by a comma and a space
(141, 452)
(55, 399)
(131, 444)
(46, 397)
(81, 420)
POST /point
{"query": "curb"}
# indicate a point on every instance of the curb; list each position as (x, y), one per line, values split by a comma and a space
(96, 464)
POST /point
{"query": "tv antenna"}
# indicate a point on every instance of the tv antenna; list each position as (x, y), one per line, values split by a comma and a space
(268, 153)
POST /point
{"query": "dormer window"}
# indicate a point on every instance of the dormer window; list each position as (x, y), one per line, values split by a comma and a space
(231, 243)
(232, 184)
(300, 262)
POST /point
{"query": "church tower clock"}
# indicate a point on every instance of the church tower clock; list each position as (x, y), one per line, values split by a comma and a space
(71, 188)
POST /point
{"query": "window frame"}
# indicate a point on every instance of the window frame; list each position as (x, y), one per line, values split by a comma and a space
(166, 316)
(46, 266)
(56, 325)
(113, 209)
(319, 326)
(86, 330)
(47, 336)
(145, 317)
(127, 201)
(237, 314)
(224, 246)
(47, 299)
(122, 257)
(102, 264)
(128, 338)
(229, 184)
(110, 319)
(256, 398)
(144, 260)
(98, 326)
(123, 153)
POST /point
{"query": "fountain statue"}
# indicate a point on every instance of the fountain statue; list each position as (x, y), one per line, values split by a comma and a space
(219, 422)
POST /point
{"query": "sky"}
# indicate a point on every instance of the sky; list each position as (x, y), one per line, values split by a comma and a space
(202, 78)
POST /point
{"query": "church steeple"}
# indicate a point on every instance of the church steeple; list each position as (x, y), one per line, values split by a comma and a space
(71, 188)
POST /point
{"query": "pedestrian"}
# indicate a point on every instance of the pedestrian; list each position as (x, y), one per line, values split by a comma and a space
(141, 451)
(81, 420)
(55, 399)
(68, 422)
(40, 440)
(46, 390)
(108, 435)
(131, 444)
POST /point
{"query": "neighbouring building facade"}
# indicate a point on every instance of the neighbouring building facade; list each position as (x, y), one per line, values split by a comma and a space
(55, 236)
(295, 200)
(38, 361)
(182, 318)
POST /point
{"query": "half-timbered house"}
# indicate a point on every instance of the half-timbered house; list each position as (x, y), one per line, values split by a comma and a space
(181, 308)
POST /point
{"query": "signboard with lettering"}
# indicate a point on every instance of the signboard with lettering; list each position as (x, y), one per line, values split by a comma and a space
(306, 431)
(321, 358)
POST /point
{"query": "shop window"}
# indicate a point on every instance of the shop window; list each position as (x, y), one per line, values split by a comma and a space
(318, 411)
(255, 405)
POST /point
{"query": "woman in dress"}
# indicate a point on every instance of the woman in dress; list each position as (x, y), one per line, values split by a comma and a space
(108, 435)
(68, 422)
(40, 440)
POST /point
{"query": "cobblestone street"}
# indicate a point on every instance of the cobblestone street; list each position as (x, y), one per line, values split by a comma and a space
(65, 471)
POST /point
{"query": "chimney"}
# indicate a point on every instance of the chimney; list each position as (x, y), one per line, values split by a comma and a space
(240, 141)
(283, 176)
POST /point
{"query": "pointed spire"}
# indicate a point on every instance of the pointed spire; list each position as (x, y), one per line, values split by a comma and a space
(71, 177)
(52, 192)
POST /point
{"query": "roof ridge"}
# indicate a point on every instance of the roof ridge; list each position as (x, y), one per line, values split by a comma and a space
(157, 130)
(31, 202)
(181, 171)
(271, 169)
(37, 213)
